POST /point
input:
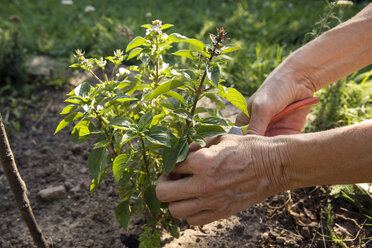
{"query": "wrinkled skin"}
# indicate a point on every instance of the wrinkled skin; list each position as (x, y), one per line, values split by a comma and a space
(224, 178)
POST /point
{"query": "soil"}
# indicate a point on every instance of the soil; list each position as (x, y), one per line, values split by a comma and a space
(79, 219)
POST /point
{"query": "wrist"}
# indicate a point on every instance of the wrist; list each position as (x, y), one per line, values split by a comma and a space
(271, 161)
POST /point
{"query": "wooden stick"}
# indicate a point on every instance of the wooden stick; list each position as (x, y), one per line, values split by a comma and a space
(18, 187)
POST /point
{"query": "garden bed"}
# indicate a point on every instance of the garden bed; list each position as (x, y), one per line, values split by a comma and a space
(75, 218)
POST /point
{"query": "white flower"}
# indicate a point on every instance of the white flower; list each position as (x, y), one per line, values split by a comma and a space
(342, 3)
(122, 72)
(67, 2)
(148, 14)
(89, 8)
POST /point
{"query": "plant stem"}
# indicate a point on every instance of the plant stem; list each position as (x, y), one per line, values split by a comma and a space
(96, 77)
(200, 88)
(325, 19)
(19, 189)
(103, 123)
(145, 160)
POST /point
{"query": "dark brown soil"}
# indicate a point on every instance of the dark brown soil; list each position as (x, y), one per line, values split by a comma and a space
(80, 219)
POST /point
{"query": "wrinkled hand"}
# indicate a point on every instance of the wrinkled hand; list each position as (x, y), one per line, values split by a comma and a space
(229, 175)
(273, 96)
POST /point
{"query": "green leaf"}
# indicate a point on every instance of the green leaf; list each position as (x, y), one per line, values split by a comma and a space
(235, 97)
(119, 99)
(214, 73)
(145, 120)
(81, 131)
(96, 161)
(165, 87)
(210, 130)
(122, 123)
(75, 65)
(136, 42)
(184, 53)
(134, 53)
(166, 26)
(75, 100)
(214, 121)
(68, 109)
(128, 137)
(149, 239)
(183, 113)
(159, 136)
(122, 213)
(176, 154)
(229, 49)
(120, 165)
(176, 96)
(147, 26)
(67, 120)
(215, 98)
(199, 45)
(174, 230)
(151, 200)
(200, 140)
(83, 90)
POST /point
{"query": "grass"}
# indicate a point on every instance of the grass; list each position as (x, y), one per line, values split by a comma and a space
(51, 28)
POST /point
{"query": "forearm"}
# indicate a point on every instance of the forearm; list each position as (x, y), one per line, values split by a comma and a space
(338, 156)
(335, 54)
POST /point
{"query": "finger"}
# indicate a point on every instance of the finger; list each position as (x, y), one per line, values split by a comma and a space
(204, 217)
(175, 190)
(194, 147)
(241, 120)
(185, 208)
(260, 118)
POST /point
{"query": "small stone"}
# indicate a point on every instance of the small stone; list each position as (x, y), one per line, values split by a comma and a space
(83, 170)
(28, 153)
(75, 214)
(197, 240)
(265, 236)
(53, 193)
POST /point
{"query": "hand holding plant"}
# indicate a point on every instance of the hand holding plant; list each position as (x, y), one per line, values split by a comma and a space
(142, 124)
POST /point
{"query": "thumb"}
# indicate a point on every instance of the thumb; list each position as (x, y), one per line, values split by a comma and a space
(260, 119)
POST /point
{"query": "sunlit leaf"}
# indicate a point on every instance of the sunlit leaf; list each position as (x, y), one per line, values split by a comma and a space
(165, 87)
(235, 97)
(146, 26)
(184, 53)
(122, 123)
(145, 120)
(83, 90)
(81, 131)
(136, 42)
(68, 109)
(67, 120)
(120, 99)
(134, 53)
(199, 45)
(166, 26)
(229, 49)
(214, 73)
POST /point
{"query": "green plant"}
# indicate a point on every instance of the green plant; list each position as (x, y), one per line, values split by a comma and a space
(145, 116)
